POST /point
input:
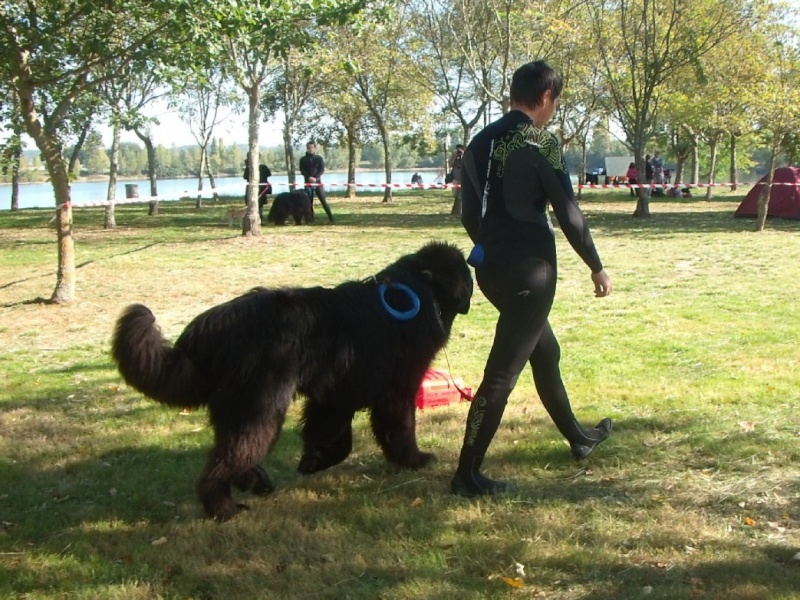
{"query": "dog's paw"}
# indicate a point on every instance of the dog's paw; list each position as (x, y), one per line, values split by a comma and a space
(311, 463)
(264, 484)
(421, 459)
(226, 511)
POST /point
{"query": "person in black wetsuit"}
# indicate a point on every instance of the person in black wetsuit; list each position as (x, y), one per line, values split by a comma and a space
(512, 170)
(312, 166)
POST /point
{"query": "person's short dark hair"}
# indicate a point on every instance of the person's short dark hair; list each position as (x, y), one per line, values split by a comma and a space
(532, 80)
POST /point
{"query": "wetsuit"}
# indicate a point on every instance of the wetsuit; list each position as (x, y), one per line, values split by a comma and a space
(512, 171)
(313, 165)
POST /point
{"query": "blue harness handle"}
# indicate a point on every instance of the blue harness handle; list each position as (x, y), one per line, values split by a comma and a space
(400, 316)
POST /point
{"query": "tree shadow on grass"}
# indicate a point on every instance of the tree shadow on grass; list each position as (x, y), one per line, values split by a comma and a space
(356, 527)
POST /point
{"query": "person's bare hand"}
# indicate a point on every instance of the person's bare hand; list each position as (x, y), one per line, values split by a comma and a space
(602, 284)
(312, 179)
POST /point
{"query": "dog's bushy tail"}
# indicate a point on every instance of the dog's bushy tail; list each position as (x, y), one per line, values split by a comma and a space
(150, 364)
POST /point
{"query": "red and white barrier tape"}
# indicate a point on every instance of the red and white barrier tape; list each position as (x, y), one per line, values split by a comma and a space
(193, 194)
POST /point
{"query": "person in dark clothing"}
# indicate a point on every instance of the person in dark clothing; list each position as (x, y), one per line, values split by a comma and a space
(264, 188)
(312, 166)
(512, 170)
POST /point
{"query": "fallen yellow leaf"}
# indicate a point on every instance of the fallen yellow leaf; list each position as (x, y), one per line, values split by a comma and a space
(514, 582)
(417, 502)
(749, 521)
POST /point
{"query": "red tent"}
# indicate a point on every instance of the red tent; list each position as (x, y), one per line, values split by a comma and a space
(784, 200)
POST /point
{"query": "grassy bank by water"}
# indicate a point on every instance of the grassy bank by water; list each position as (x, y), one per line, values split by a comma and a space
(695, 356)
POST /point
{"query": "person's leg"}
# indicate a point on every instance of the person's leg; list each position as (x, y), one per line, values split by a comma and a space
(544, 362)
(321, 195)
(523, 298)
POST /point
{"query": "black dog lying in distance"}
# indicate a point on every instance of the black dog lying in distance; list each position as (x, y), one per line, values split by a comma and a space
(295, 204)
(360, 345)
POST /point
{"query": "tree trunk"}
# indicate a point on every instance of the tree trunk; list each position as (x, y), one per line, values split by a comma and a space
(251, 222)
(351, 162)
(48, 145)
(16, 158)
(110, 221)
(643, 197)
(680, 163)
(73, 159)
(712, 149)
(199, 203)
(211, 180)
(766, 191)
(734, 158)
(387, 162)
(695, 161)
(582, 172)
(288, 153)
(151, 171)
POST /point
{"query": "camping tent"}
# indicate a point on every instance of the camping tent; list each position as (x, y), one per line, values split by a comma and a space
(784, 200)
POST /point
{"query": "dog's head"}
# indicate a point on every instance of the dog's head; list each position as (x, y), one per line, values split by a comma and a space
(444, 268)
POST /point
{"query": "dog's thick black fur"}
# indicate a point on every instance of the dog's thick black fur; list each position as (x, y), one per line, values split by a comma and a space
(295, 204)
(339, 347)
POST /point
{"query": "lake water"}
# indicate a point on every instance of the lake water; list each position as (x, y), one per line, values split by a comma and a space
(86, 193)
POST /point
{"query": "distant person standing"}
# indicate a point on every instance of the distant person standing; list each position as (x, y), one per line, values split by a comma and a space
(658, 173)
(264, 187)
(632, 177)
(312, 166)
(456, 162)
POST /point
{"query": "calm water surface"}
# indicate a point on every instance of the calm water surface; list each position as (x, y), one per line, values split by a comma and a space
(40, 195)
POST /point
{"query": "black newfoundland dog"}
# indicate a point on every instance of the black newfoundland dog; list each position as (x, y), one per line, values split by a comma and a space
(295, 204)
(360, 345)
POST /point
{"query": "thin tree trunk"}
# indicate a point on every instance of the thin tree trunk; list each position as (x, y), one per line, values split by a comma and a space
(582, 172)
(16, 157)
(211, 180)
(73, 159)
(351, 162)
(110, 221)
(251, 223)
(64, 291)
(643, 197)
(387, 162)
(151, 171)
(680, 163)
(734, 158)
(199, 203)
(712, 148)
(766, 191)
(288, 154)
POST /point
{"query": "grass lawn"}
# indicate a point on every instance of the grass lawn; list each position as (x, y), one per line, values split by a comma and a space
(696, 357)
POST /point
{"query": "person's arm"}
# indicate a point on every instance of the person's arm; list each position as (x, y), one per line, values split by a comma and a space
(471, 194)
(558, 189)
(321, 167)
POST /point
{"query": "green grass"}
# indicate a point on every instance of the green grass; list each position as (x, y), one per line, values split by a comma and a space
(695, 356)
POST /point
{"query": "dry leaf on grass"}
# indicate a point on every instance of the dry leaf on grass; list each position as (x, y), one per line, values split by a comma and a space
(514, 582)
(749, 521)
(746, 426)
(417, 502)
(159, 541)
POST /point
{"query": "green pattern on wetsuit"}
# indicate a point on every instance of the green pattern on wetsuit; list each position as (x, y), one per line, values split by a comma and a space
(528, 134)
